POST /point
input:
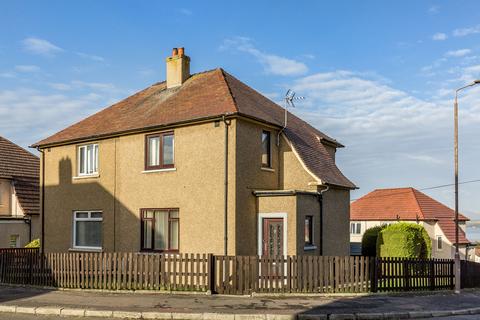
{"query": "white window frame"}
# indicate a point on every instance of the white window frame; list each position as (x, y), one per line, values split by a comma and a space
(86, 163)
(89, 218)
(356, 224)
(439, 241)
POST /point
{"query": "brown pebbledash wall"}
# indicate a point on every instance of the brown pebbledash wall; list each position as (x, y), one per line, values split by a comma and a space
(196, 187)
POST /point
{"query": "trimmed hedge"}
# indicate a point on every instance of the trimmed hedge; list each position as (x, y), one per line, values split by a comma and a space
(369, 241)
(403, 239)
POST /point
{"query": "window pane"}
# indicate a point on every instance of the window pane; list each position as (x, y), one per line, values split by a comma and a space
(266, 148)
(307, 230)
(88, 234)
(168, 149)
(174, 214)
(95, 159)
(96, 215)
(148, 214)
(82, 214)
(81, 162)
(359, 228)
(147, 234)
(153, 151)
(161, 230)
(89, 159)
(174, 234)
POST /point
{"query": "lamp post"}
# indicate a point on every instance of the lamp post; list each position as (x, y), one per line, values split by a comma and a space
(457, 254)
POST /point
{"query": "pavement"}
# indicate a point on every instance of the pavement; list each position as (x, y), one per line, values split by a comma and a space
(155, 305)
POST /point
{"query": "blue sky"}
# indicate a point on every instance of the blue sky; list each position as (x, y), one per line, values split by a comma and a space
(379, 76)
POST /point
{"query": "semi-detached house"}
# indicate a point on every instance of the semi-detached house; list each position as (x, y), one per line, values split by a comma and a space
(199, 163)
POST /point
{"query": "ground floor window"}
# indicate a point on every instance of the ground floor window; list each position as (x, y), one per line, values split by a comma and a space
(308, 231)
(14, 241)
(87, 229)
(160, 229)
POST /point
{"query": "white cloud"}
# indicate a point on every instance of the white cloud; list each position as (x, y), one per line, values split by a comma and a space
(273, 64)
(458, 53)
(90, 56)
(7, 75)
(78, 85)
(466, 31)
(27, 68)
(439, 36)
(185, 11)
(433, 9)
(41, 47)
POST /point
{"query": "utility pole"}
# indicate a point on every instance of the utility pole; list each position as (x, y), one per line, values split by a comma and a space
(455, 116)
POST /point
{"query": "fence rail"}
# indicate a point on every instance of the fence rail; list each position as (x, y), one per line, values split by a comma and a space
(228, 274)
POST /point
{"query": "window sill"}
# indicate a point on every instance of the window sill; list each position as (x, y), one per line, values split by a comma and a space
(267, 169)
(87, 176)
(85, 249)
(310, 248)
(160, 170)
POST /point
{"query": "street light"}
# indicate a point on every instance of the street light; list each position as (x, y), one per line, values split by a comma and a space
(457, 254)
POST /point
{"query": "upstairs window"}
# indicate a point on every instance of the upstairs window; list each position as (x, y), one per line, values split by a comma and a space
(266, 150)
(308, 231)
(88, 159)
(355, 228)
(159, 151)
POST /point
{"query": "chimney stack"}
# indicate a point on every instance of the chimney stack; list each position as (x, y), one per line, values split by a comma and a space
(178, 68)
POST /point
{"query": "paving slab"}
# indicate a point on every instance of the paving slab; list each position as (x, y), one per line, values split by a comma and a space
(154, 305)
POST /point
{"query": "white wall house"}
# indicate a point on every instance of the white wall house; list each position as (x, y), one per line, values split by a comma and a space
(386, 206)
(19, 195)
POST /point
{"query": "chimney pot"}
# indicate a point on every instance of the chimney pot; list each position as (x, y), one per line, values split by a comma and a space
(174, 52)
(181, 51)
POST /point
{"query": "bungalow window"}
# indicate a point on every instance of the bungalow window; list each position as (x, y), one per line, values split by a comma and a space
(87, 229)
(160, 229)
(159, 152)
(355, 228)
(439, 243)
(88, 159)
(308, 231)
(266, 150)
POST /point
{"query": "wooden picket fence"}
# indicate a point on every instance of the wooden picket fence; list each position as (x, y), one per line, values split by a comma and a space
(225, 274)
(400, 274)
(470, 272)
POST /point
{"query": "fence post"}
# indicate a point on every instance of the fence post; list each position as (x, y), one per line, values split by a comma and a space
(406, 275)
(432, 274)
(373, 274)
(211, 273)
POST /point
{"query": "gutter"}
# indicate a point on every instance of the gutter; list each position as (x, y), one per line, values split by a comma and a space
(227, 123)
(42, 207)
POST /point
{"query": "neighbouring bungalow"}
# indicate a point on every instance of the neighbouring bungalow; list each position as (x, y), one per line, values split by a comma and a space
(199, 163)
(19, 195)
(385, 206)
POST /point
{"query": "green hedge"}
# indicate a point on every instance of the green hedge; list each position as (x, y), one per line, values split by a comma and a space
(403, 239)
(369, 241)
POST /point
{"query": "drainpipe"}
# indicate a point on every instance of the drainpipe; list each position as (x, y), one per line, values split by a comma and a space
(28, 220)
(225, 214)
(42, 208)
(320, 202)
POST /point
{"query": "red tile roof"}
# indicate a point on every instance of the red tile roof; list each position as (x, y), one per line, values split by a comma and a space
(23, 168)
(205, 95)
(406, 204)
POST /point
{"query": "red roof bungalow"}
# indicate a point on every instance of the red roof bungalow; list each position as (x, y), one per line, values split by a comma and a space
(385, 206)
